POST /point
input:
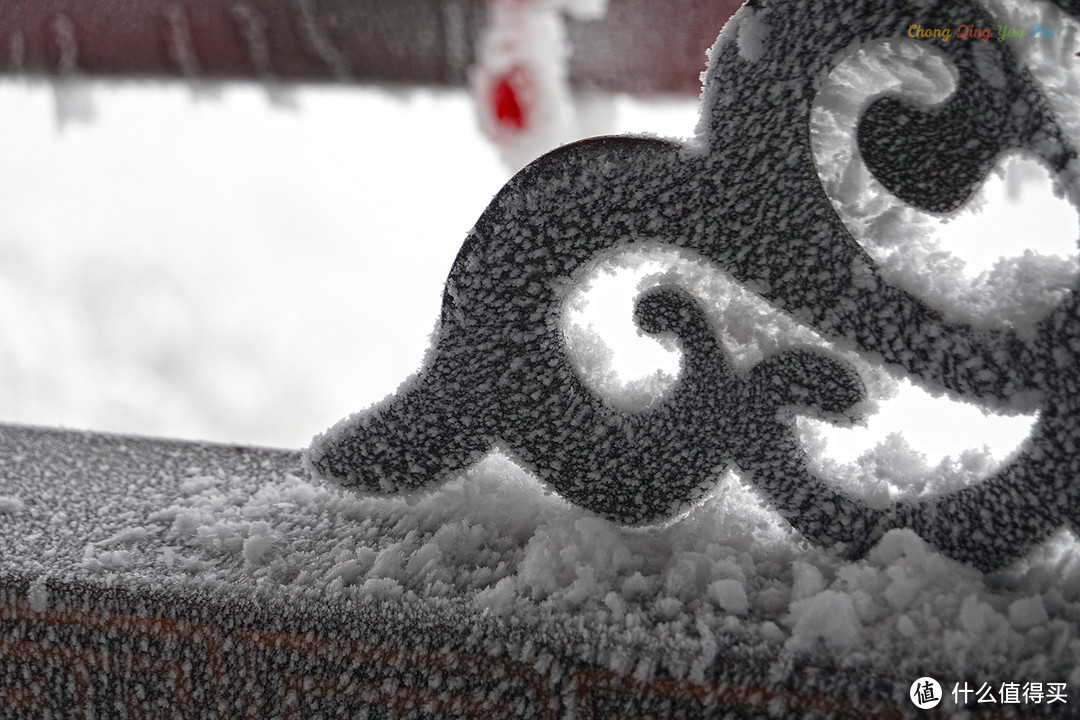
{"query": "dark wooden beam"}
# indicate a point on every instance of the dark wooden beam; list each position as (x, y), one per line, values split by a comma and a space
(640, 46)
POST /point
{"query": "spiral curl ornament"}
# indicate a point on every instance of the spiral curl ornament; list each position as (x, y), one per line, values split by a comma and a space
(745, 196)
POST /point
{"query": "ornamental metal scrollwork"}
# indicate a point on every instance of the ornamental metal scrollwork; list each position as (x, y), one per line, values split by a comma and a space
(746, 196)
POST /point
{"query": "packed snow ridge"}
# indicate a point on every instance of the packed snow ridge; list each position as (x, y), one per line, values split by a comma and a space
(496, 539)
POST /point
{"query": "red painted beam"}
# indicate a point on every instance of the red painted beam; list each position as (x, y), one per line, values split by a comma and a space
(641, 46)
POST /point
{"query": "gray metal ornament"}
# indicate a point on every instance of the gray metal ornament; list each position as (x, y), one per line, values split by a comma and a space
(745, 196)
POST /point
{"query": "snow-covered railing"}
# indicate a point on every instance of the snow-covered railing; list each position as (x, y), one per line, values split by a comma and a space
(104, 613)
(461, 549)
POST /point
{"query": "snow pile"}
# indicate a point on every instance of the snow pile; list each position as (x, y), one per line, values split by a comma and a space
(496, 539)
(894, 470)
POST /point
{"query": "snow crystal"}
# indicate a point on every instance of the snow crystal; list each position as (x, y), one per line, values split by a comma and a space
(1027, 613)
(753, 34)
(256, 548)
(198, 484)
(807, 581)
(128, 535)
(108, 560)
(828, 616)
(37, 594)
(729, 595)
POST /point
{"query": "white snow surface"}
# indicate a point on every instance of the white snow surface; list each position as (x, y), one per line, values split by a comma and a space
(497, 539)
(200, 262)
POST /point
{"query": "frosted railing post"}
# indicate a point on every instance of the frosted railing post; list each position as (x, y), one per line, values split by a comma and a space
(746, 196)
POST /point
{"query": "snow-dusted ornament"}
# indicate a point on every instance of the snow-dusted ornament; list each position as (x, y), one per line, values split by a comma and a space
(746, 196)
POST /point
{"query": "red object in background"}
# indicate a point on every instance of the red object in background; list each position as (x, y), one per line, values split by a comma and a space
(505, 103)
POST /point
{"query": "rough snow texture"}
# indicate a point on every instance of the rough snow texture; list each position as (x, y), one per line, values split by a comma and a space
(1016, 292)
(632, 372)
(747, 198)
(191, 578)
(491, 568)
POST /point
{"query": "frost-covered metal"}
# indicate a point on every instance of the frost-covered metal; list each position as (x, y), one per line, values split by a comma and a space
(746, 196)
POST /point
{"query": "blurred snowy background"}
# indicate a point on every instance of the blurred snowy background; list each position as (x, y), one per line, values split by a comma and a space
(246, 265)
(232, 264)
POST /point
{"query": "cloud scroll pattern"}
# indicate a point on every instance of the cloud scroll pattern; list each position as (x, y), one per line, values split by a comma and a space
(745, 195)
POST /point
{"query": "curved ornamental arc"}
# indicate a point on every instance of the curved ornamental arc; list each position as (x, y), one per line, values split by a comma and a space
(746, 196)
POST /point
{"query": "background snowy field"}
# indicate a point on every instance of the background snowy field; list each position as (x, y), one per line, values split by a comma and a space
(230, 264)
(243, 265)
